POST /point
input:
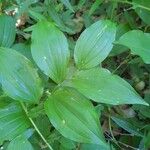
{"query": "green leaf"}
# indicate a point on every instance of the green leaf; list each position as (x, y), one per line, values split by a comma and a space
(94, 44)
(36, 15)
(4, 101)
(68, 144)
(19, 79)
(127, 126)
(118, 49)
(24, 7)
(143, 14)
(13, 122)
(7, 31)
(67, 4)
(143, 111)
(20, 143)
(138, 42)
(94, 6)
(100, 85)
(130, 19)
(50, 50)
(92, 147)
(57, 18)
(24, 49)
(81, 3)
(74, 116)
(42, 123)
(147, 140)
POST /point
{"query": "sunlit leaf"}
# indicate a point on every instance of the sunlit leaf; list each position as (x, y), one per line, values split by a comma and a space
(20, 143)
(138, 42)
(101, 86)
(94, 44)
(50, 50)
(74, 116)
(19, 79)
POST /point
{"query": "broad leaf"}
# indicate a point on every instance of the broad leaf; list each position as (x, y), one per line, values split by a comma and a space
(13, 122)
(24, 49)
(19, 79)
(7, 30)
(101, 86)
(143, 111)
(74, 116)
(127, 126)
(94, 44)
(143, 14)
(50, 50)
(20, 143)
(138, 42)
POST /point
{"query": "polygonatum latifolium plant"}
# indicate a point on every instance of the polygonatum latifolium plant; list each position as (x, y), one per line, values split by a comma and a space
(52, 99)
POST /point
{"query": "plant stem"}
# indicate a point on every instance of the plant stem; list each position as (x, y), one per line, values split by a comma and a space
(125, 10)
(34, 125)
(131, 3)
(127, 146)
(123, 134)
(122, 63)
(112, 11)
(112, 140)
(109, 122)
(110, 129)
(112, 136)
